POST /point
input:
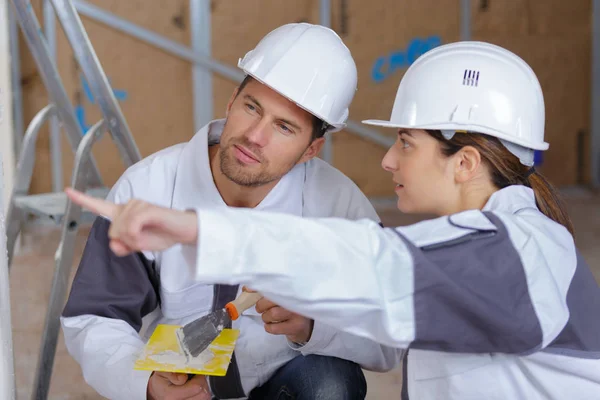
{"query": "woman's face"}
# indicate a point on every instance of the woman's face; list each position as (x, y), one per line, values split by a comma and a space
(423, 176)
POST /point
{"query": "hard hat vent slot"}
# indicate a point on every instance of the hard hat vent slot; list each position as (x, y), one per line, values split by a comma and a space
(470, 78)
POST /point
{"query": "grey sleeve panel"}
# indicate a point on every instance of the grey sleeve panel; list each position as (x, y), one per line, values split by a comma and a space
(124, 288)
(581, 336)
(471, 295)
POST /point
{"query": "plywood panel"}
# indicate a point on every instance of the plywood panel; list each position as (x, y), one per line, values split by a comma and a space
(530, 17)
(384, 37)
(154, 88)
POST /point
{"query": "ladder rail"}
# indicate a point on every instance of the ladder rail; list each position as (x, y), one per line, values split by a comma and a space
(23, 174)
(85, 173)
(49, 73)
(97, 80)
(64, 260)
(7, 366)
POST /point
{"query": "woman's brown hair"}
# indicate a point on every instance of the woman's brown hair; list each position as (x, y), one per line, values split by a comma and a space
(506, 170)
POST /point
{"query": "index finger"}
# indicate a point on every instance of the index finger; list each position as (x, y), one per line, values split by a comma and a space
(97, 206)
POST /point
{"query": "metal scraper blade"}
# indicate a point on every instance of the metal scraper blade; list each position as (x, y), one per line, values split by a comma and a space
(197, 335)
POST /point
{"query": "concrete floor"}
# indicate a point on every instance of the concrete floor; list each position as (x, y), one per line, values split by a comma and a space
(31, 277)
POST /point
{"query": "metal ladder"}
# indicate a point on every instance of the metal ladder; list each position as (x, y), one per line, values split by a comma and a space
(85, 176)
(7, 370)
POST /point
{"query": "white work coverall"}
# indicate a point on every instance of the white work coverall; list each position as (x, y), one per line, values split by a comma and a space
(102, 321)
(492, 304)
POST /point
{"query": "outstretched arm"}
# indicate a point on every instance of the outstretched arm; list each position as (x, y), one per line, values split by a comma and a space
(472, 282)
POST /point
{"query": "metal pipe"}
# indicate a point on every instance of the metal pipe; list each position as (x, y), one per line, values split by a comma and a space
(370, 134)
(97, 80)
(186, 53)
(7, 364)
(465, 20)
(55, 147)
(17, 93)
(27, 155)
(24, 172)
(167, 45)
(7, 367)
(200, 21)
(49, 73)
(325, 20)
(63, 264)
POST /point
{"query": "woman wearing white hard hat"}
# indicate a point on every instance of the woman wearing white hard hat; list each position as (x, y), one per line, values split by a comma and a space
(491, 298)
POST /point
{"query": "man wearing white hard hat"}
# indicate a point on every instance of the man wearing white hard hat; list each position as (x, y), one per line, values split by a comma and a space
(491, 299)
(300, 81)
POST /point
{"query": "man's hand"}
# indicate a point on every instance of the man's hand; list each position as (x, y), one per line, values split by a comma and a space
(173, 386)
(279, 321)
(138, 225)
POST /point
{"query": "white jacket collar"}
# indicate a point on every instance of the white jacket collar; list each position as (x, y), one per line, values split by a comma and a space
(511, 199)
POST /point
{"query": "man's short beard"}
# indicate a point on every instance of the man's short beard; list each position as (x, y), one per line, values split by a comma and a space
(233, 170)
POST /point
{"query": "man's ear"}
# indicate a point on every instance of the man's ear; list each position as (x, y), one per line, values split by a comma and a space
(312, 150)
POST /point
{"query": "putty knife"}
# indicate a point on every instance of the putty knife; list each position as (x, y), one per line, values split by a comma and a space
(163, 353)
(195, 337)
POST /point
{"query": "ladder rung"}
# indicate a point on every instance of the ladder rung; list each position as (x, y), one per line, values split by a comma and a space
(52, 205)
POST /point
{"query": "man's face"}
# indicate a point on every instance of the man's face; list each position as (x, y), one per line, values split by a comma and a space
(265, 135)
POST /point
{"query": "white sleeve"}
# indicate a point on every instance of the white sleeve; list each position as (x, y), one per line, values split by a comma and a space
(456, 283)
(348, 202)
(370, 355)
(106, 350)
(320, 270)
(109, 297)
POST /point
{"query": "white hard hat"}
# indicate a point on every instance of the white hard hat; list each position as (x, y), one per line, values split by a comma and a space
(310, 65)
(473, 86)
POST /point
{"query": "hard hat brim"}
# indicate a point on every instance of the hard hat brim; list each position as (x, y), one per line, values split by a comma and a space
(333, 127)
(380, 122)
(484, 130)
